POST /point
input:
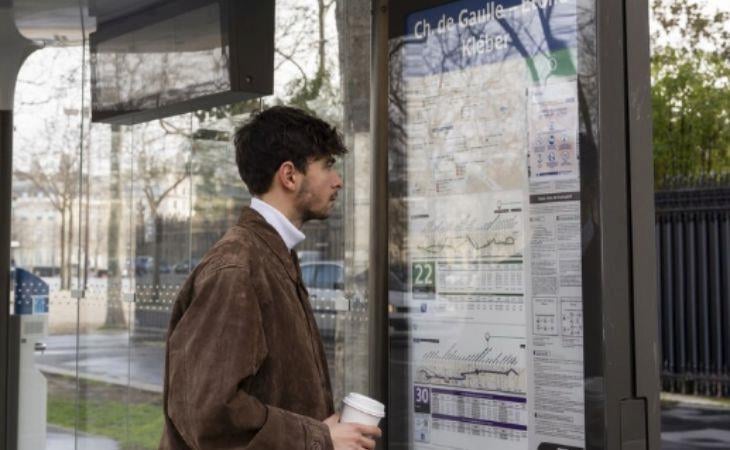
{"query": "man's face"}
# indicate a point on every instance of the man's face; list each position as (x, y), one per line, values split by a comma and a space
(318, 191)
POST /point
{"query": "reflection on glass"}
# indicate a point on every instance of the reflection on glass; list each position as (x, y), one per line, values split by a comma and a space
(179, 58)
(159, 215)
(155, 197)
(217, 193)
(45, 241)
(485, 249)
(102, 378)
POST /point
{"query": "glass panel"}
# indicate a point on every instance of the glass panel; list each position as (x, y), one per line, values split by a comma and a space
(485, 244)
(125, 216)
(329, 276)
(217, 193)
(160, 158)
(103, 337)
(351, 366)
(45, 239)
(308, 272)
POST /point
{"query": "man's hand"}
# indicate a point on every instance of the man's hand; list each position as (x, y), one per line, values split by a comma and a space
(351, 436)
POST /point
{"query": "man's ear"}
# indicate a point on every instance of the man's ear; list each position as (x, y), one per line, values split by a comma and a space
(288, 176)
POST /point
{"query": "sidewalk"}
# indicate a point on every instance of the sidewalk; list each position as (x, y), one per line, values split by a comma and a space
(695, 423)
(63, 439)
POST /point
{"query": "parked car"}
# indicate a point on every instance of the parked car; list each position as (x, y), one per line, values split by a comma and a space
(325, 281)
(165, 267)
(143, 264)
(186, 265)
(400, 309)
(318, 275)
(309, 255)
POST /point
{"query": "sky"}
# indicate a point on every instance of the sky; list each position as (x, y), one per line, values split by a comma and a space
(708, 6)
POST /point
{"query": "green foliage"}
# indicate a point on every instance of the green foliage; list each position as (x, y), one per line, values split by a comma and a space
(691, 107)
(135, 423)
(690, 92)
(303, 91)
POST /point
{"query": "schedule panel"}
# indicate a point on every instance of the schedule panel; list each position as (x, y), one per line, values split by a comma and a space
(485, 236)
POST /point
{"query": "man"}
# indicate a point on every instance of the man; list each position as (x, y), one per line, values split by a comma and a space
(245, 367)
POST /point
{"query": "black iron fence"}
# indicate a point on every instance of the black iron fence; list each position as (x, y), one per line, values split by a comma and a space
(693, 281)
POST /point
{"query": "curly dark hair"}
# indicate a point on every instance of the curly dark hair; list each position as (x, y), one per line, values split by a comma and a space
(279, 134)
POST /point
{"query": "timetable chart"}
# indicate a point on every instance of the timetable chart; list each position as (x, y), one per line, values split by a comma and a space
(465, 414)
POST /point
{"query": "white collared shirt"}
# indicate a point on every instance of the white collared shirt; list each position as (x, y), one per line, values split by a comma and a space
(288, 232)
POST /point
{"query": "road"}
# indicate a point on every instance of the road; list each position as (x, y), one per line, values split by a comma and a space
(693, 428)
(109, 357)
(113, 358)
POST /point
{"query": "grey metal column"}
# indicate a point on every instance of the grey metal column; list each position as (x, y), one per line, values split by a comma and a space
(6, 159)
(626, 292)
(641, 173)
(378, 282)
(614, 287)
(14, 48)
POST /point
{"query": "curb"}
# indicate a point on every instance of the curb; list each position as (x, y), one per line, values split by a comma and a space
(147, 387)
(695, 401)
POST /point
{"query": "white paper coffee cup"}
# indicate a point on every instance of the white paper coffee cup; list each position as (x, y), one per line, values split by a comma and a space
(362, 409)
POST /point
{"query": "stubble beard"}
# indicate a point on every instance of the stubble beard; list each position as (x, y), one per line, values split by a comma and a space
(305, 208)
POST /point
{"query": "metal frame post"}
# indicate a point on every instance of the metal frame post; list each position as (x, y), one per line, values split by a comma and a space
(15, 50)
(641, 173)
(6, 177)
(615, 266)
(378, 281)
(628, 363)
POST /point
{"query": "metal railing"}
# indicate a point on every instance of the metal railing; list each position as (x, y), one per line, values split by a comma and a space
(693, 281)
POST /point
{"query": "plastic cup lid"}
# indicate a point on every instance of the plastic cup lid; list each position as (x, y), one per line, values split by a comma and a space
(365, 404)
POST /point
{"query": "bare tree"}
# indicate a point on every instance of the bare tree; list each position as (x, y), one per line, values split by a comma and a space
(295, 46)
(114, 308)
(160, 174)
(59, 184)
(50, 160)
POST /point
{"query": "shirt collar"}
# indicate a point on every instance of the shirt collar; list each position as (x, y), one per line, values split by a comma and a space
(288, 232)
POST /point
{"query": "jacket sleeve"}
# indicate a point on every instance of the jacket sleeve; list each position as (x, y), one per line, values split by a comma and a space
(214, 350)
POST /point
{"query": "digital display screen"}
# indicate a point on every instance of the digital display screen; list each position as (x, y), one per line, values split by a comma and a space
(163, 63)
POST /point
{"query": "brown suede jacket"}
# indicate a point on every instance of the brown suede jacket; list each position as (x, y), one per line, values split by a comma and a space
(245, 367)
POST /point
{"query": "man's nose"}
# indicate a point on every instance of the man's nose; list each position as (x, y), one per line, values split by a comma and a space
(338, 181)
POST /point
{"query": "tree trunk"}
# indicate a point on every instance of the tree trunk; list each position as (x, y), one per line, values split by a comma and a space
(69, 253)
(114, 305)
(87, 225)
(62, 263)
(158, 255)
(351, 336)
(353, 29)
(322, 11)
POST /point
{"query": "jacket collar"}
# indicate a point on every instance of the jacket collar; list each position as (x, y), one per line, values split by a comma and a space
(255, 222)
(288, 232)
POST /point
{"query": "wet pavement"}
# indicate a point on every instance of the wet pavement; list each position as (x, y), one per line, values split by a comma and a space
(108, 357)
(695, 428)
